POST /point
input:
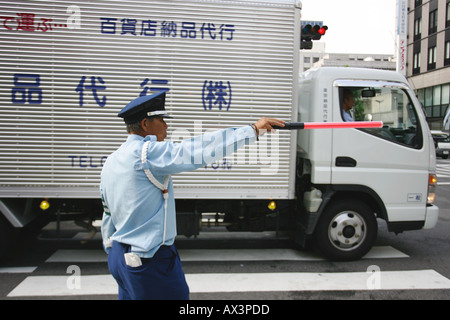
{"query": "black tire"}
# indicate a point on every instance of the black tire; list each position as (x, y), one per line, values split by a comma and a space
(346, 231)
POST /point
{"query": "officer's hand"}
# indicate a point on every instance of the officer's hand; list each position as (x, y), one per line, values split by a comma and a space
(266, 125)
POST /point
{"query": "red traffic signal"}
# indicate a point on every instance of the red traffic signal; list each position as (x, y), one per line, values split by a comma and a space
(310, 33)
(317, 32)
(322, 30)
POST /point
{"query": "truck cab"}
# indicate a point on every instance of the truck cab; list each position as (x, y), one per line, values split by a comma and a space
(359, 175)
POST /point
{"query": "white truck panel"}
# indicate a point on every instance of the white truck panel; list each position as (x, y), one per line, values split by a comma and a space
(68, 68)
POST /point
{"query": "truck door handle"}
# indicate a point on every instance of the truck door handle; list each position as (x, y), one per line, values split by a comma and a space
(346, 162)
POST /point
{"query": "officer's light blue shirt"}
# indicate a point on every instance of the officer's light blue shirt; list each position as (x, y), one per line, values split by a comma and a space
(134, 207)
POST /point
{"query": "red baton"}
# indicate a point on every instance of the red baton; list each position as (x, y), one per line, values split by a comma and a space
(330, 125)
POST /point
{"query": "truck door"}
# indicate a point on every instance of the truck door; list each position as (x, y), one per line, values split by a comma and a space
(391, 162)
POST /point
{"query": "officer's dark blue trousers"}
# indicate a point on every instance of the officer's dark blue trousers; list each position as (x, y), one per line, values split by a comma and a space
(159, 278)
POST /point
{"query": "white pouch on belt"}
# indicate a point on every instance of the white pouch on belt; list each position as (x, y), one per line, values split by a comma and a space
(132, 260)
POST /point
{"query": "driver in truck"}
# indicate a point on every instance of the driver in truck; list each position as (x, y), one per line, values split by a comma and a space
(348, 104)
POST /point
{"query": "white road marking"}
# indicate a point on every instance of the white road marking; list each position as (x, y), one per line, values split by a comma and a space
(42, 286)
(78, 256)
(18, 269)
(245, 282)
(74, 256)
(382, 252)
(346, 281)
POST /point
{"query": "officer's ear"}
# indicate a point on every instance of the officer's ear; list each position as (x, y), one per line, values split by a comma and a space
(146, 124)
(143, 123)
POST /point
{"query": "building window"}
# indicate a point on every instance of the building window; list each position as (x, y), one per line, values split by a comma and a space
(418, 29)
(421, 96)
(432, 58)
(447, 54)
(435, 100)
(436, 95)
(446, 94)
(418, 3)
(428, 97)
(416, 63)
(447, 24)
(433, 22)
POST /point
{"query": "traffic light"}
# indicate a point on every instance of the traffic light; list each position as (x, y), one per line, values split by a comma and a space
(311, 33)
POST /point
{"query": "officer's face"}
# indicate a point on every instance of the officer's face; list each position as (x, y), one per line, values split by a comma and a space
(155, 127)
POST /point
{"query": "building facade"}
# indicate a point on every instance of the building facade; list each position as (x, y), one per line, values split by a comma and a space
(317, 57)
(309, 57)
(428, 67)
(349, 60)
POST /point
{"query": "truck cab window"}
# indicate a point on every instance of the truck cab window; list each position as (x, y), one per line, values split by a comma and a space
(391, 105)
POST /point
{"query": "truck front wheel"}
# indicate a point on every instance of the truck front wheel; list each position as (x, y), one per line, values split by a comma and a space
(346, 230)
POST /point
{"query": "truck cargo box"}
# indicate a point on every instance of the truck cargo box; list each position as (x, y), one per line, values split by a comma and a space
(67, 69)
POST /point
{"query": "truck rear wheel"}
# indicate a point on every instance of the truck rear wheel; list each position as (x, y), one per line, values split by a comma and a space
(346, 230)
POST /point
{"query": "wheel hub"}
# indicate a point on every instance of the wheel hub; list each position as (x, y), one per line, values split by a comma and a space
(347, 230)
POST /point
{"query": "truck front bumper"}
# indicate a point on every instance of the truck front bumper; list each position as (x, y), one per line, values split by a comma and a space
(431, 217)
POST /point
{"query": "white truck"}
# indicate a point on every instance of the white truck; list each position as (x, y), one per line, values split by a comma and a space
(67, 70)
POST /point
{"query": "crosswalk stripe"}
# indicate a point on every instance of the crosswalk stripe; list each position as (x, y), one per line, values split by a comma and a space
(78, 256)
(42, 286)
(104, 284)
(343, 281)
(275, 254)
(74, 256)
(245, 282)
(18, 269)
(443, 172)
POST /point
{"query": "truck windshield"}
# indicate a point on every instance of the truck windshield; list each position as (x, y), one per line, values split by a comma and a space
(392, 105)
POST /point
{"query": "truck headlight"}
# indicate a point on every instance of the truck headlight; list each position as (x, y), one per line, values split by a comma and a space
(432, 182)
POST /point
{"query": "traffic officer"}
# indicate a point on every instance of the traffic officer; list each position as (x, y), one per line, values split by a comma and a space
(139, 220)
